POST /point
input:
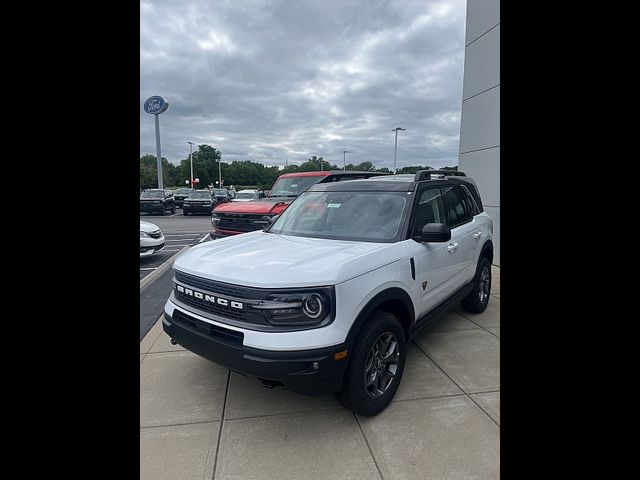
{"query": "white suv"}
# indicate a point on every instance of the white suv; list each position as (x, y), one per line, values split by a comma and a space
(328, 296)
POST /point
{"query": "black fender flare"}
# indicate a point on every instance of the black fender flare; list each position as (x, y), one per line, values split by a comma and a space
(488, 245)
(393, 293)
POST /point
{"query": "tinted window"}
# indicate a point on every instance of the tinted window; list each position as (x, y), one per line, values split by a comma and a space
(202, 194)
(151, 194)
(454, 204)
(360, 216)
(429, 210)
(472, 206)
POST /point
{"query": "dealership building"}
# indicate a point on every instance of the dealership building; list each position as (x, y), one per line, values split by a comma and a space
(479, 155)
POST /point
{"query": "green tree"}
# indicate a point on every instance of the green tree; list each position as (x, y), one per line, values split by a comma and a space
(149, 172)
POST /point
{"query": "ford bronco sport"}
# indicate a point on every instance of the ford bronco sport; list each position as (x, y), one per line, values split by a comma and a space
(327, 297)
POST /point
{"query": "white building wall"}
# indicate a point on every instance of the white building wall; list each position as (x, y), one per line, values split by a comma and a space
(479, 155)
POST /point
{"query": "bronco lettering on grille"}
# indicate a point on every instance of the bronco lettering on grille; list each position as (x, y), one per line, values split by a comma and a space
(209, 298)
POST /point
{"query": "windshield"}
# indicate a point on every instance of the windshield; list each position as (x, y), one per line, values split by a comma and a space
(246, 195)
(205, 195)
(182, 191)
(151, 195)
(362, 216)
(220, 192)
(293, 186)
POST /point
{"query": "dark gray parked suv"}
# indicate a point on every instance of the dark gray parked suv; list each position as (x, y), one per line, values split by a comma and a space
(155, 200)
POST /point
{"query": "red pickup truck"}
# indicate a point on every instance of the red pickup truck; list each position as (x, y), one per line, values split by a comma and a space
(240, 217)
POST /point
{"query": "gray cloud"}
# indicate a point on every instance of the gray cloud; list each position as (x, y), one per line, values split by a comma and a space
(275, 80)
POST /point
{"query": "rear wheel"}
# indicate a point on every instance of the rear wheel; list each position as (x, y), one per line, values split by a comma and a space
(162, 212)
(376, 366)
(173, 208)
(477, 300)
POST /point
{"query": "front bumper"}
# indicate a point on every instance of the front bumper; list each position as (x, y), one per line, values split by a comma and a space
(218, 233)
(309, 372)
(151, 207)
(205, 209)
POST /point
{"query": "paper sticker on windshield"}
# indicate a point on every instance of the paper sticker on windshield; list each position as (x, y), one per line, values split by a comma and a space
(334, 205)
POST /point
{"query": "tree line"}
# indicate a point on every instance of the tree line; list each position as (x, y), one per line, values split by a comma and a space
(205, 168)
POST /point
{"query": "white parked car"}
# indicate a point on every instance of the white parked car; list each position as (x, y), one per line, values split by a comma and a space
(328, 297)
(151, 239)
(246, 196)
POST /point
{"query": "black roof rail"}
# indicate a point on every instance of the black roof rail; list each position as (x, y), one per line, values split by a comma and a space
(426, 174)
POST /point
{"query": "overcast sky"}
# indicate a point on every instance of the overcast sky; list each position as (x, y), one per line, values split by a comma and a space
(275, 80)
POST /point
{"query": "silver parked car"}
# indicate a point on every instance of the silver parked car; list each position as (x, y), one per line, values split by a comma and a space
(151, 239)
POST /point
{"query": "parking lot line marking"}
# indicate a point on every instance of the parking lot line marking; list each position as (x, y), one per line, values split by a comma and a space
(178, 240)
(148, 268)
(179, 246)
(203, 238)
(181, 234)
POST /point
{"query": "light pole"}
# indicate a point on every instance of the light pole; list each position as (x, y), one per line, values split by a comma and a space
(191, 160)
(219, 172)
(344, 159)
(395, 148)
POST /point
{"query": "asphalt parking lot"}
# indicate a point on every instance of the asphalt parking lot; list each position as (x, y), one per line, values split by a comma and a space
(199, 420)
(179, 232)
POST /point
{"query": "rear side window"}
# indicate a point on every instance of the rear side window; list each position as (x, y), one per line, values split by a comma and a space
(472, 206)
(455, 206)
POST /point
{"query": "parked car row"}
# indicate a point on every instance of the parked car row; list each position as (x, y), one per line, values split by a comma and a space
(156, 201)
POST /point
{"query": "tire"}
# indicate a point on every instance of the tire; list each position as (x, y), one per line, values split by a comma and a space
(173, 208)
(185, 213)
(356, 394)
(477, 300)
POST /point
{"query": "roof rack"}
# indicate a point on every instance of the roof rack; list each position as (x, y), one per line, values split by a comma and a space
(426, 174)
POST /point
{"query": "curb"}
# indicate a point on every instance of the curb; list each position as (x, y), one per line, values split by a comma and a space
(160, 270)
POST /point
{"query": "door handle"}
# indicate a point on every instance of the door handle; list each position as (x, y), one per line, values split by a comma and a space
(477, 235)
(452, 247)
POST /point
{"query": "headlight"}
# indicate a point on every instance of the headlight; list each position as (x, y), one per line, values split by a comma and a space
(143, 234)
(302, 308)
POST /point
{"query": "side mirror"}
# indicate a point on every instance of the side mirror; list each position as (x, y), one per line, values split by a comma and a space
(435, 232)
(272, 220)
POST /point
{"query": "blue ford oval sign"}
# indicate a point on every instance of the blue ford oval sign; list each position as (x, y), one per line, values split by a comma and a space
(155, 105)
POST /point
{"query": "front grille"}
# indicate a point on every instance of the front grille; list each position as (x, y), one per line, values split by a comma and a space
(221, 334)
(231, 293)
(245, 222)
(223, 311)
(221, 288)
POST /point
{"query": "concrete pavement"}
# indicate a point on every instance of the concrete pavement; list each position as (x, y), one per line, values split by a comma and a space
(199, 421)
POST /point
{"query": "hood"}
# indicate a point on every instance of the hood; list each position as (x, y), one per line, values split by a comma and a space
(147, 227)
(269, 260)
(254, 206)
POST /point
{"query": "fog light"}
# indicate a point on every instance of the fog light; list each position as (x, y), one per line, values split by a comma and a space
(315, 365)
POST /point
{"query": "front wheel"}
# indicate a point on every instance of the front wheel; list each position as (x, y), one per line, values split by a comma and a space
(376, 366)
(185, 213)
(162, 212)
(173, 209)
(477, 300)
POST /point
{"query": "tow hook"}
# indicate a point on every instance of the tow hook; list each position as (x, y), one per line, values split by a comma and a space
(173, 342)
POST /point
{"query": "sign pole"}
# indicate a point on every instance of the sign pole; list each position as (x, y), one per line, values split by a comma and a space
(160, 183)
(155, 106)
